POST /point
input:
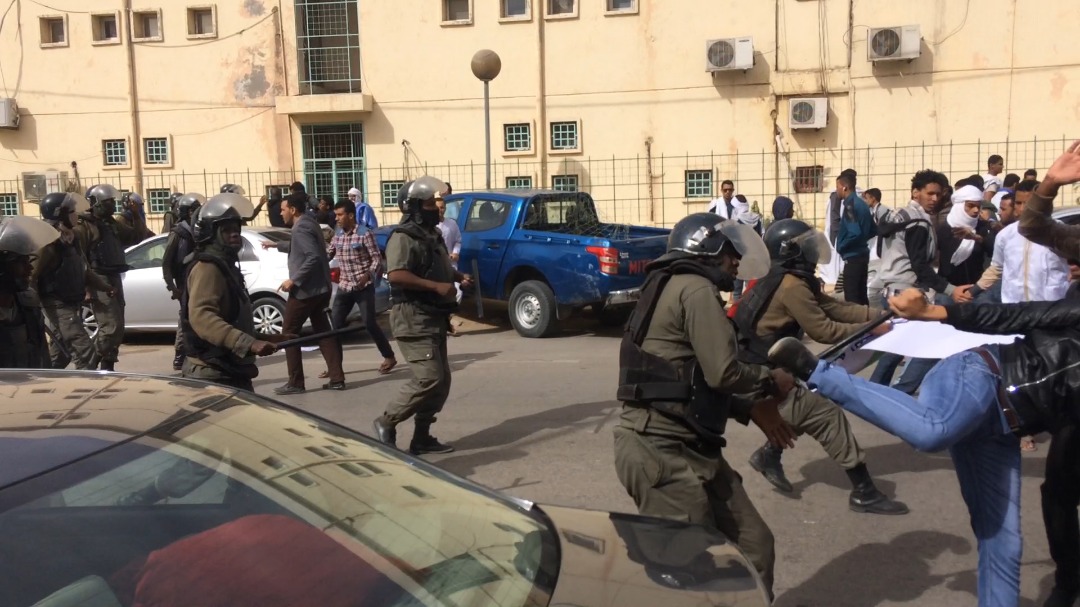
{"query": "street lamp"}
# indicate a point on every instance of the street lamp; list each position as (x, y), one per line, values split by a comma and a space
(486, 66)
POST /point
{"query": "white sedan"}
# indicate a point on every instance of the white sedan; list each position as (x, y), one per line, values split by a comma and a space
(151, 309)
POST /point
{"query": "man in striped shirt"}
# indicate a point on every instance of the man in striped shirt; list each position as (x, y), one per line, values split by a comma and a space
(360, 262)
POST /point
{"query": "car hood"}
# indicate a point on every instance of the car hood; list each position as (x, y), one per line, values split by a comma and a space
(625, 560)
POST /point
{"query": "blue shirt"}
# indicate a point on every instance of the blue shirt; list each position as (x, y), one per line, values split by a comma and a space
(856, 228)
(365, 216)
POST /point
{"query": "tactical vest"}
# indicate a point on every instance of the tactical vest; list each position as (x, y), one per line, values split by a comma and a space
(66, 282)
(429, 248)
(22, 338)
(107, 254)
(754, 348)
(237, 312)
(185, 246)
(676, 390)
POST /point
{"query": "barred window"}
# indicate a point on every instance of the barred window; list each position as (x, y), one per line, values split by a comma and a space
(157, 150)
(519, 183)
(564, 183)
(390, 191)
(115, 152)
(564, 135)
(159, 199)
(810, 179)
(699, 184)
(9, 204)
(328, 41)
(518, 137)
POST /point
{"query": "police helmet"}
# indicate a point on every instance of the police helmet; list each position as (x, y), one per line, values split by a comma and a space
(416, 192)
(220, 208)
(55, 205)
(188, 204)
(403, 195)
(21, 235)
(102, 192)
(707, 234)
(232, 188)
(174, 200)
(133, 197)
(793, 242)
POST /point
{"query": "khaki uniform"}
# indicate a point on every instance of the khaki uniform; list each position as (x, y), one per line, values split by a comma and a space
(827, 321)
(209, 303)
(664, 465)
(420, 332)
(108, 311)
(65, 318)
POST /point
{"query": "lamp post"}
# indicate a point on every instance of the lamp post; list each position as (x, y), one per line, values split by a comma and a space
(486, 66)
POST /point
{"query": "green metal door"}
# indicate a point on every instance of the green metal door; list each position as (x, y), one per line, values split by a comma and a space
(334, 159)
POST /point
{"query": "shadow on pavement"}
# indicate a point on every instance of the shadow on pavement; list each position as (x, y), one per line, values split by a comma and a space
(513, 436)
(874, 573)
(314, 365)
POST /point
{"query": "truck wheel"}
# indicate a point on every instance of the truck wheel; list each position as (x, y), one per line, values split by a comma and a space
(532, 309)
(612, 317)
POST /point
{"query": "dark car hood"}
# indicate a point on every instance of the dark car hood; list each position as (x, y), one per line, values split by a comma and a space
(625, 560)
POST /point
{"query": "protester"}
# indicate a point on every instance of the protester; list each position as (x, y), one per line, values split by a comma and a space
(723, 206)
(963, 239)
(852, 244)
(365, 215)
(783, 208)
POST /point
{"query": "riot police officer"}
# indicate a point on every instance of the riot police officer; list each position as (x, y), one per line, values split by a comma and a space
(422, 289)
(180, 245)
(786, 302)
(171, 216)
(215, 310)
(680, 380)
(22, 328)
(104, 240)
(61, 276)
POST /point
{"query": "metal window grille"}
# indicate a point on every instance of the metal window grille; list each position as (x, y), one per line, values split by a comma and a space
(561, 7)
(564, 183)
(9, 204)
(809, 179)
(389, 190)
(456, 10)
(519, 183)
(515, 8)
(564, 136)
(615, 6)
(518, 137)
(157, 150)
(699, 184)
(328, 39)
(159, 199)
(333, 158)
(115, 152)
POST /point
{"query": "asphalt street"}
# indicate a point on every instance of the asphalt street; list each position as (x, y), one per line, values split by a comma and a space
(533, 418)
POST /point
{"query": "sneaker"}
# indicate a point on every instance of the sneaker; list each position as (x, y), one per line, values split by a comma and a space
(428, 444)
(334, 385)
(286, 390)
(790, 353)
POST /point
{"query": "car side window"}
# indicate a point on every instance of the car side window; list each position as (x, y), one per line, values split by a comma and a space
(486, 215)
(147, 256)
(453, 209)
(248, 252)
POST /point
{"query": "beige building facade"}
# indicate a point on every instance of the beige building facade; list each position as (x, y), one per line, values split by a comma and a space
(646, 105)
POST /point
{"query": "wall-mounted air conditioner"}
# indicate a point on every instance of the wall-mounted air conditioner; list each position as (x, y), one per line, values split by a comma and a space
(808, 112)
(901, 43)
(729, 54)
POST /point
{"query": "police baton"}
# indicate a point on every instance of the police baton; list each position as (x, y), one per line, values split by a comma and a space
(55, 338)
(476, 289)
(835, 351)
(307, 339)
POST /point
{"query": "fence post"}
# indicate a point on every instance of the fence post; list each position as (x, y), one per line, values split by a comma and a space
(614, 191)
(978, 154)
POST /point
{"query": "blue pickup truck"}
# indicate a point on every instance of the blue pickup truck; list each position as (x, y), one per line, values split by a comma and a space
(548, 255)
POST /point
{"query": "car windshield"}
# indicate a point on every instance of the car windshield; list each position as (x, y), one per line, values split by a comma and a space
(242, 499)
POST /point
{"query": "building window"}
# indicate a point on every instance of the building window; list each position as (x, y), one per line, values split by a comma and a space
(621, 6)
(160, 199)
(157, 150)
(333, 158)
(564, 136)
(105, 30)
(699, 184)
(328, 40)
(115, 152)
(564, 183)
(515, 10)
(53, 31)
(457, 11)
(519, 183)
(202, 21)
(809, 179)
(517, 137)
(146, 26)
(390, 191)
(9, 204)
(561, 8)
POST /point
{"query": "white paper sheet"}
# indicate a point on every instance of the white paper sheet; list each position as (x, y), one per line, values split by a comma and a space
(921, 339)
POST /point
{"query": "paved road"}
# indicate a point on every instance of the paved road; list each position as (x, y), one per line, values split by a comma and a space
(533, 418)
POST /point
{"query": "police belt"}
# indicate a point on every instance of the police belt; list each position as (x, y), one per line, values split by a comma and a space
(655, 391)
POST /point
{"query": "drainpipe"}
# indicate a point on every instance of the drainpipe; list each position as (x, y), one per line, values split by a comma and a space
(541, 98)
(133, 96)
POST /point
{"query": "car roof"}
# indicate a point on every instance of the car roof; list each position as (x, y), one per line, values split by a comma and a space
(53, 417)
(511, 192)
(1067, 211)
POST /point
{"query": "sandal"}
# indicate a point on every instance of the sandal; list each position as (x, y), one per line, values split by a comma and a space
(324, 375)
(1027, 443)
(387, 366)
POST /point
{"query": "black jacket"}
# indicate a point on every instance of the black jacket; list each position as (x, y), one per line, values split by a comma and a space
(1041, 371)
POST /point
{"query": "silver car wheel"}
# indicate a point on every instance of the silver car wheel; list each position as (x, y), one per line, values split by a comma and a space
(268, 318)
(89, 321)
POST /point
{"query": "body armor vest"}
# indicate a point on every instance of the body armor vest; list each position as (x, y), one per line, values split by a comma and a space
(754, 348)
(185, 246)
(237, 313)
(66, 282)
(107, 254)
(22, 335)
(429, 244)
(677, 390)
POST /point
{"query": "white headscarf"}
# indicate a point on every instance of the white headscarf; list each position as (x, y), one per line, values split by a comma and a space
(958, 218)
(357, 193)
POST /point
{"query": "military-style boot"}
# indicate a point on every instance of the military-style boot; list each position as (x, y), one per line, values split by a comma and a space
(423, 442)
(178, 361)
(865, 496)
(789, 353)
(385, 431)
(107, 365)
(766, 460)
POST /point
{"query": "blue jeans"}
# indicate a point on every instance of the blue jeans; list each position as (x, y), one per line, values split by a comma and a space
(956, 410)
(914, 372)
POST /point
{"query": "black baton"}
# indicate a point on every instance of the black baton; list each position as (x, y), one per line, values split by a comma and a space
(299, 341)
(839, 348)
(476, 286)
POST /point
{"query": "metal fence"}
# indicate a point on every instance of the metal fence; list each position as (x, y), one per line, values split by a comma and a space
(648, 189)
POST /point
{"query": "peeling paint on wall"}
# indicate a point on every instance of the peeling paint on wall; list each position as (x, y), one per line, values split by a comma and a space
(254, 8)
(254, 85)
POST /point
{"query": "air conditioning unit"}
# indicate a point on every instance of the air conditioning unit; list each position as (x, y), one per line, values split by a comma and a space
(9, 114)
(729, 54)
(808, 112)
(37, 185)
(894, 43)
